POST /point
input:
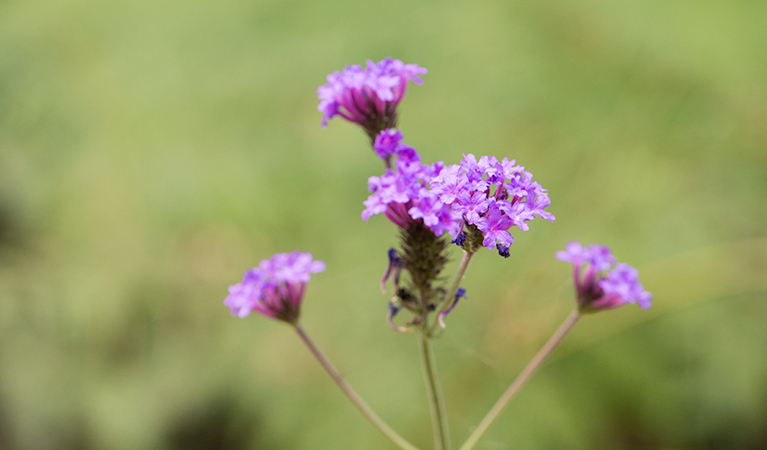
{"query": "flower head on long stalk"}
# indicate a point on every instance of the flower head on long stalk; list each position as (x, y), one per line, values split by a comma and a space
(275, 288)
(596, 291)
(368, 96)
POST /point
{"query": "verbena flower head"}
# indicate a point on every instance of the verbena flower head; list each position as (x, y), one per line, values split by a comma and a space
(368, 96)
(484, 197)
(490, 196)
(402, 193)
(275, 288)
(594, 290)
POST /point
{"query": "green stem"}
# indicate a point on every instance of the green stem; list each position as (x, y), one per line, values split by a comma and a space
(555, 339)
(434, 390)
(453, 288)
(353, 396)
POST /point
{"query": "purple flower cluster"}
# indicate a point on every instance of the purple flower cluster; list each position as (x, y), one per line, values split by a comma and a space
(492, 195)
(596, 292)
(275, 288)
(367, 96)
(402, 194)
(489, 194)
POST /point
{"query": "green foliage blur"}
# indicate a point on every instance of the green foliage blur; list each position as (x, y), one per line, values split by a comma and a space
(151, 152)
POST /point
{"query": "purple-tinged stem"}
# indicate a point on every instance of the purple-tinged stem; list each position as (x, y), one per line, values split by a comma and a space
(555, 339)
(352, 395)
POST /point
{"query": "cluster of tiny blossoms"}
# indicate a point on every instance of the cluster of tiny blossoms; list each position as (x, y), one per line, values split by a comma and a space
(596, 292)
(402, 194)
(486, 193)
(367, 96)
(274, 288)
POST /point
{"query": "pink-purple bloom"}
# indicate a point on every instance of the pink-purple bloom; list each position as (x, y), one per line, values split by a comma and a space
(490, 195)
(402, 193)
(599, 256)
(493, 196)
(596, 291)
(368, 96)
(275, 288)
(387, 142)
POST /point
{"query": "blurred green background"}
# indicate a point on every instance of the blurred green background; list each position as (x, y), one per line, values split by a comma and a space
(150, 152)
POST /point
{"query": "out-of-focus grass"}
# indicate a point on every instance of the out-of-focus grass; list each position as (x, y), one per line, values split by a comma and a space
(151, 152)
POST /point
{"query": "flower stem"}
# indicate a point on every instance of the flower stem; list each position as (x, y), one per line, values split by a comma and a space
(353, 396)
(434, 390)
(555, 339)
(453, 288)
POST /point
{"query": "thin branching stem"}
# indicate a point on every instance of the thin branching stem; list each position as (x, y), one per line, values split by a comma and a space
(382, 426)
(555, 339)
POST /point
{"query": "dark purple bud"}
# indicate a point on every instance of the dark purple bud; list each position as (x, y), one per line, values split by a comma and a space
(459, 240)
(503, 250)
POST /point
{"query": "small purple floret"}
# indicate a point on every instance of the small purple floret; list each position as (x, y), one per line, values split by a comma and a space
(387, 142)
(598, 256)
(275, 288)
(494, 225)
(624, 281)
